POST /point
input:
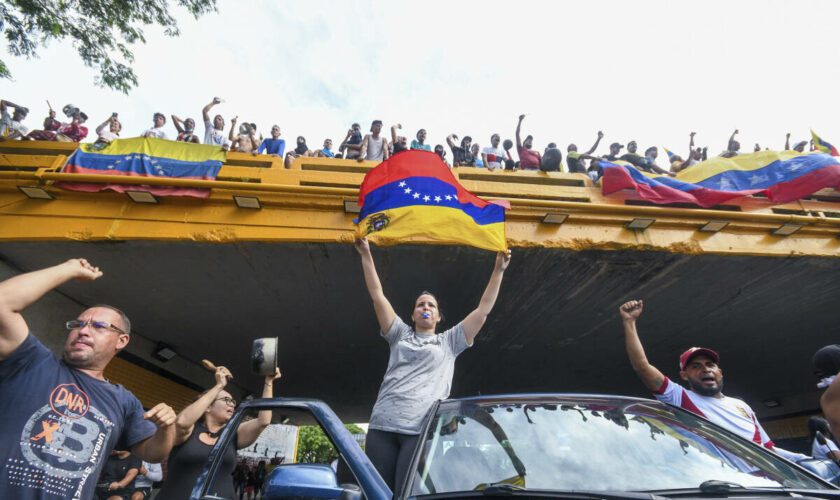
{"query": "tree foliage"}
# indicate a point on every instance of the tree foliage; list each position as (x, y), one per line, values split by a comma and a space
(100, 30)
(315, 448)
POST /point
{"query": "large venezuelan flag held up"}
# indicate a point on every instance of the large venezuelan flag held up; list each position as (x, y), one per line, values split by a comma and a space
(782, 176)
(146, 157)
(413, 196)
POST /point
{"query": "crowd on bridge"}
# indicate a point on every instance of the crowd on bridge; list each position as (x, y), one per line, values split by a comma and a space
(49, 400)
(376, 145)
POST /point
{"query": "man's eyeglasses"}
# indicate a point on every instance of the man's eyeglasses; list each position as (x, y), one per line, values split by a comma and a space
(227, 400)
(96, 325)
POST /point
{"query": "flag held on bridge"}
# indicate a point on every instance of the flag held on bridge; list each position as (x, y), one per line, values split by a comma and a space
(413, 196)
(782, 176)
(146, 157)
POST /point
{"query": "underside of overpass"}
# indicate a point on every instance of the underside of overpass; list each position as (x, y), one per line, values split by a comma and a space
(555, 326)
(756, 281)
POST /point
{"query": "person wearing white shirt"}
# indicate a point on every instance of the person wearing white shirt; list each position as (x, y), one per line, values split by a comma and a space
(823, 445)
(700, 369)
(157, 131)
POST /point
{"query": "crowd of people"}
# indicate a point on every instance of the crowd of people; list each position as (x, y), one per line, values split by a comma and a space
(373, 146)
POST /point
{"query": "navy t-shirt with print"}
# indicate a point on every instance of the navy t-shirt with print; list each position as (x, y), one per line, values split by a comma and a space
(58, 425)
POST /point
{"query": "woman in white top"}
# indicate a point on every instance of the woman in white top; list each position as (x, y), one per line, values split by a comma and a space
(107, 132)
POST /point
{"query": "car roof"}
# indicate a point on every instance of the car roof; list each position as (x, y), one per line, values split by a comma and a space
(559, 397)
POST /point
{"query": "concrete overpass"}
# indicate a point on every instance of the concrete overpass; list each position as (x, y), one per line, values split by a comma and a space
(206, 277)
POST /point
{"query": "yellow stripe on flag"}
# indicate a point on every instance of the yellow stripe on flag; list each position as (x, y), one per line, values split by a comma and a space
(161, 148)
(417, 223)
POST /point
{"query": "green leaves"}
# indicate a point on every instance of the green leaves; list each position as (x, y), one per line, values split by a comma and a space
(315, 448)
(101, 30)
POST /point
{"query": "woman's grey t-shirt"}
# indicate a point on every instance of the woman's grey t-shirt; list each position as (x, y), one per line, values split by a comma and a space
(419, 373)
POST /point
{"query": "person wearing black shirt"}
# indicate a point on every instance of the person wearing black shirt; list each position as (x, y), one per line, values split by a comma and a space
(117, 479)
(461, 155)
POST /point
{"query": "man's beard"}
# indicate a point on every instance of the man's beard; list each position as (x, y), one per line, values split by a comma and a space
(703, 391)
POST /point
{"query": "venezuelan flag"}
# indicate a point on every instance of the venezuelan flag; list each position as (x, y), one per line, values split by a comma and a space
(783, 176)
(823, 146)
(146, 157)
(413, 196)
(670, 154)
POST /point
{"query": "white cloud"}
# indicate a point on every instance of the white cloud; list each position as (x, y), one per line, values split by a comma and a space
(651, 71)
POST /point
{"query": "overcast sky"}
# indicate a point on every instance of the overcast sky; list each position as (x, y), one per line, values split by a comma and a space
(646, 70)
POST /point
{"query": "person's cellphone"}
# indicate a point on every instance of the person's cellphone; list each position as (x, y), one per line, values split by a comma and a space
(113, 115)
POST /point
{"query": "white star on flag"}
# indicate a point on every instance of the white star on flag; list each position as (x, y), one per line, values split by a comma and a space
(416, 195)
(437, 199)
(407, 190)
(426, 198)
(402, 184)
(448, 197)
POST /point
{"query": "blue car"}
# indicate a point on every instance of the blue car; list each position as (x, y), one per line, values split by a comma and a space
(538, 445)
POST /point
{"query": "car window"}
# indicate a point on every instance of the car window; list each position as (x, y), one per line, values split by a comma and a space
(596, 445)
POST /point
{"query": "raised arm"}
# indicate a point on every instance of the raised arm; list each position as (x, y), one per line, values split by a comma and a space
(787, 141)
(690, 145)
(384, 312)
(450, 139)
(651, 377)
(102, 126)
(595, 146)
(177, 122)
(19, 292)
(232, 128)
(475, 320)
(185, 423)
(518, 128)
(731, 140)
(205, 112)
(394, 132)
(250, 431)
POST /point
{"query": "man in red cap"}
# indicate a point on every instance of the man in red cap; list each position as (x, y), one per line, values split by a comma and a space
(700, 369)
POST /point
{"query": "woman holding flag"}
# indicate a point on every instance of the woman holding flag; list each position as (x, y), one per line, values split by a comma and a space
(420, 366)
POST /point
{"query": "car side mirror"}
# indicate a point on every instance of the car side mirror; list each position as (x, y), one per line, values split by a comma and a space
(307, 481)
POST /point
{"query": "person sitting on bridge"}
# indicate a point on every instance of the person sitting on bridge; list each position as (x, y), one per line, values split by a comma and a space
(156, 132)
(441, 152)
(11, 126)
(732, 146)
(529, 159)
(700, 369)
(214, 133)
(106, 132)
(300, 151)
(461, 155)
(492, 156)
(420, 366)
(651, 154)
(47, 402)
(326, 150)
(75, 131)
(245, 141)
(351, 146)
(398, 142)
(573, 158)
(274, 146)
(475, 150)
(374, 145)
(198, 428)
(615, 148)
(800, 146)
(186, 130)
(420, 141)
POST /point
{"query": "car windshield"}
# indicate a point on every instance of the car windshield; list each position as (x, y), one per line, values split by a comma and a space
(587, 444)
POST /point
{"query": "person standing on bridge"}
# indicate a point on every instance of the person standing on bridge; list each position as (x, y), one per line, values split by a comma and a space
(420, 366)
(700, 369)
(198, 428)
(60, 418)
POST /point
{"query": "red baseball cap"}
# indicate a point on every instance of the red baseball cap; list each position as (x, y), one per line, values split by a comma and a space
(697, 351)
